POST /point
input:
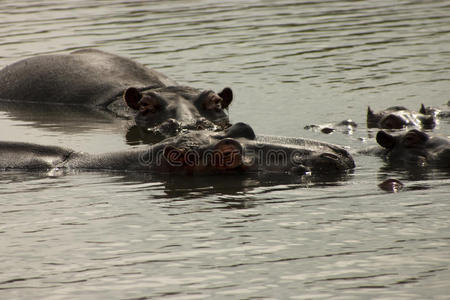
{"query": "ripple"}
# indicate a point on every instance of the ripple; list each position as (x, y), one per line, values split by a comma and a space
(291, 63)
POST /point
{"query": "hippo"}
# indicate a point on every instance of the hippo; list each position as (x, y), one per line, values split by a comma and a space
(397, 117)
(116, 84)
(345, 126)
(415, 149)
(234, 150)
(436, 112)
(391, 185)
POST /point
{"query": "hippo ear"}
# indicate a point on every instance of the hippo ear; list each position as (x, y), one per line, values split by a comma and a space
(228, 154)
(423, 110)
(174, 156)
(227, 96)
(370, 113)
(385, 140)
(132, 97)
(371, 118)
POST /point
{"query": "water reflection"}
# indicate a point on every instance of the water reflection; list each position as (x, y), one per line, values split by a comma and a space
(412, 173)
(188, 187)
(73, 119)
(177, 186)
(60, 118)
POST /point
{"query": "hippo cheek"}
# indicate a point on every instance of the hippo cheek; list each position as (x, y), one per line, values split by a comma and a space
(175, 157)
(227, 155)
(410, 160)
(443, 158)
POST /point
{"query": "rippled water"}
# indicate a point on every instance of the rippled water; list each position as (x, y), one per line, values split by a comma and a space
(290, 63)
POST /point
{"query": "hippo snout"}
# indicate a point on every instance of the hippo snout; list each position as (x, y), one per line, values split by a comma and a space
(332, 162)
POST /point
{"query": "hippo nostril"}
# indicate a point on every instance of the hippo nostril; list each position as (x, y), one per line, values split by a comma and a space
(329, 156)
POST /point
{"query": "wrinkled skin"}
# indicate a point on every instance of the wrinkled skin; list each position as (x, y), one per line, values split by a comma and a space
(398, 117)
(415, 149)
(196, 152)
(130, 90)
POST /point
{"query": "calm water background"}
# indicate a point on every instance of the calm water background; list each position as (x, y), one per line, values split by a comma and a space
(290, 64)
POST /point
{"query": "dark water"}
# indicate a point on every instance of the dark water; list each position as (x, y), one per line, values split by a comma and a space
(290, 63)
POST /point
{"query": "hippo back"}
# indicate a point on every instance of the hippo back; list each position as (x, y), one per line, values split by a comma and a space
(16, 155)
(84, 77)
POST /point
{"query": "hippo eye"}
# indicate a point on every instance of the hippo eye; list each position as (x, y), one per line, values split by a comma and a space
(411, 140)
(213, 102)
(149, 105)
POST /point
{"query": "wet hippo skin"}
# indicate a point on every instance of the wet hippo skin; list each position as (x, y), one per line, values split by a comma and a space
(415, 148)
(236, 149)
(397, 117)
(125, 88)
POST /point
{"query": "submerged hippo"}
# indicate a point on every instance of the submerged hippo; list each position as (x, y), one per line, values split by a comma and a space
(117, 84)
(195, 152)
(434, 111)
(397, 117)
(345, 126)
(415, 148)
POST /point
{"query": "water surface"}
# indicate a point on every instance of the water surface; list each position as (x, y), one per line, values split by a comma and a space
(103, 235)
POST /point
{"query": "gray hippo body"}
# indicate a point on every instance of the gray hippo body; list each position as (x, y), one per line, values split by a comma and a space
(196, 152)
(84, 77)
(415, 149)
(100, 79)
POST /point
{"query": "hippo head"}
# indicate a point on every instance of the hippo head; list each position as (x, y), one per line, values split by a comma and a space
(204, 152)
(398, 117)
(178, 107)
(237, 149)
(415, 148)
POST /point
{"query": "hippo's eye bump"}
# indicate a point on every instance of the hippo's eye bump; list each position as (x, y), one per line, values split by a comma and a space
(411, 140)
(213, 102)
(414, 138)
(148, 105)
